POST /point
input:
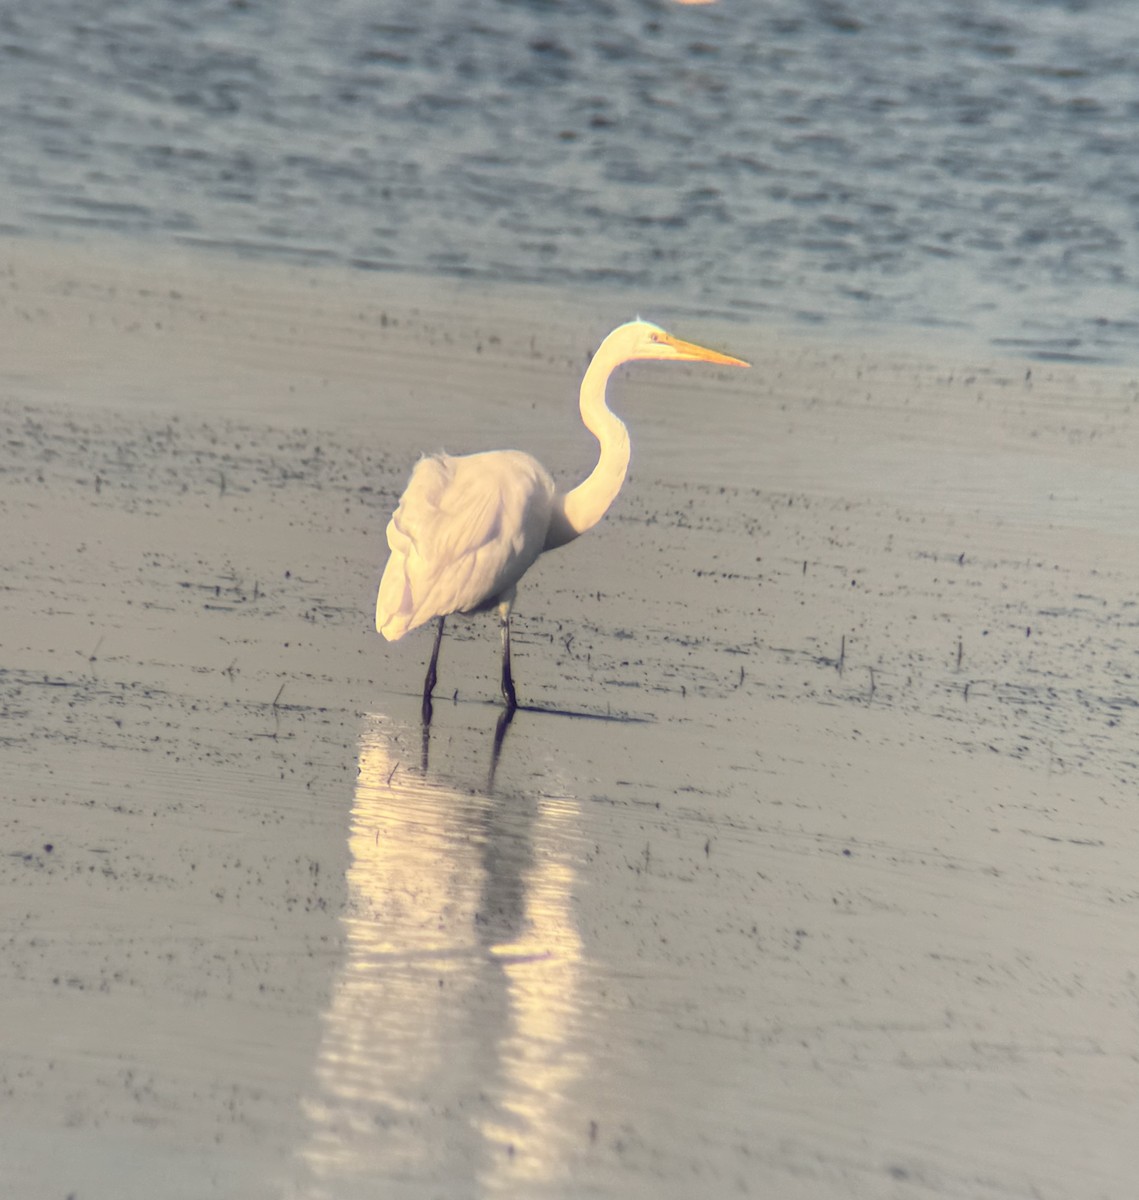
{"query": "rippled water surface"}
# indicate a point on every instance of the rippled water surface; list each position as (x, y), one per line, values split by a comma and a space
(891, 162)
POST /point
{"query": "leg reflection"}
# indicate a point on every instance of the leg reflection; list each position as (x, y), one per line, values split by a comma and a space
(502, 725)
(425, 753)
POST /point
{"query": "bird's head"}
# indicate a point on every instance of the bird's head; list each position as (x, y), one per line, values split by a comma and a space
(639, 340)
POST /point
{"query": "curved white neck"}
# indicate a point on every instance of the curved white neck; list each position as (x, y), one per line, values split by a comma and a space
(581, 508)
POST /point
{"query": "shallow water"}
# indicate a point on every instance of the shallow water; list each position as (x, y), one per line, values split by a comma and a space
(848, 910)
(896, 163)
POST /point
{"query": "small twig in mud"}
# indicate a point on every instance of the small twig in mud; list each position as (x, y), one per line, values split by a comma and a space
(567, 641)
(960, 652)
(965, 693)
(392, 775)
(741, 682)
(873, 686)
(276, 712)
(841, 655)
(804, 566)
(93, 656)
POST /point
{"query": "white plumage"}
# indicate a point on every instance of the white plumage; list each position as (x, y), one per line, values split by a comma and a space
(466, 530)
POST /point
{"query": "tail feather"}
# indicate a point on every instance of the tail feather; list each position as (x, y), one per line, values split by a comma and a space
(394, 604)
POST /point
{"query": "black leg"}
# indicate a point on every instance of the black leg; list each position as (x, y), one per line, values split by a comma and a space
(507, 678)
(429, 681)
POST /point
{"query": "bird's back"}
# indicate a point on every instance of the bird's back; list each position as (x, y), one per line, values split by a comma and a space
(466, 530)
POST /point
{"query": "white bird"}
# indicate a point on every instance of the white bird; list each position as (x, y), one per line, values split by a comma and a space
(468, 528)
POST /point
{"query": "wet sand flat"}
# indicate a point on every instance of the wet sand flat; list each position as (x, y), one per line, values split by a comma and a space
(826, 890)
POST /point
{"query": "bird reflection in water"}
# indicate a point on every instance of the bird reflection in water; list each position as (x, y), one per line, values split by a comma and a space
(456, 1034)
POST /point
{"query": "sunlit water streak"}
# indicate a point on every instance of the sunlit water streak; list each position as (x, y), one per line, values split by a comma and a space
(891, 162)
(455, 1029)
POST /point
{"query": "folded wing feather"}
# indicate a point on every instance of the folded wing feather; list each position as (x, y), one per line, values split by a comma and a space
(465, 531)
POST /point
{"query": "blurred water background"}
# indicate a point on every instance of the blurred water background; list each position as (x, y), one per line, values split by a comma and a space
(964, 166)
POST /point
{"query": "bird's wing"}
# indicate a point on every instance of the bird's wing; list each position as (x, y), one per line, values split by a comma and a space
(466, 530)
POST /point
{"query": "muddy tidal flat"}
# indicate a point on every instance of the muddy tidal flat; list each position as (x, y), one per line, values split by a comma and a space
(809, 871)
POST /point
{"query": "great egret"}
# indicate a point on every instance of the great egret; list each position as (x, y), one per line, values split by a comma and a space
(468, 528)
